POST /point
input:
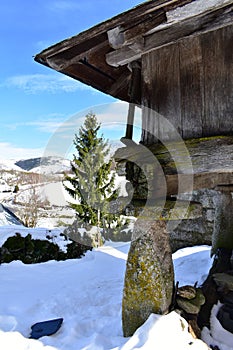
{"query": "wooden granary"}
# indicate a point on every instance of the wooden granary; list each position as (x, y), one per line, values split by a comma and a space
(173, 59)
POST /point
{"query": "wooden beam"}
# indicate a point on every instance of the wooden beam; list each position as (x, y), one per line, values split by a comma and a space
(130, 121)
(135, 97)
(209, 20)
(60, 62)
(119, 36)
(126, 17)
(120, 83)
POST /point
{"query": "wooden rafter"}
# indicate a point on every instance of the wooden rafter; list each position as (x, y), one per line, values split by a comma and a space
(209, 20)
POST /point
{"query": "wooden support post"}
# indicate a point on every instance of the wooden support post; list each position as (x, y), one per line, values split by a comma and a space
(130, 121)
(135, 96)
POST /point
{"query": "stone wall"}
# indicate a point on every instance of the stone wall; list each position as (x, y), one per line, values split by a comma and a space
(197, 226)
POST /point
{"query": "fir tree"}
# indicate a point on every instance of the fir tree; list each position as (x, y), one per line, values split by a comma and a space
(91, 182)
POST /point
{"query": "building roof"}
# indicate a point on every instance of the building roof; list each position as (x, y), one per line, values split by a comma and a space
(100, 56)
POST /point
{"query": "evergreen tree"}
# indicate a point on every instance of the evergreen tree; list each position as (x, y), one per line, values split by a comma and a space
(91, 182)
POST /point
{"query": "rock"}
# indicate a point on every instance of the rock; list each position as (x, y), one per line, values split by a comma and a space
(225, 317)
(228, 298)
(223, 226)
(187, 292)
(224, 281)
(149, 278)
(192, 306)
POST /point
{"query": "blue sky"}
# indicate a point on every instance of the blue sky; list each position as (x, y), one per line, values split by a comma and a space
(35, 100)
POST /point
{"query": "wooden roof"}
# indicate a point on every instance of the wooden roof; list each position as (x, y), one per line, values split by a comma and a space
(99, 57)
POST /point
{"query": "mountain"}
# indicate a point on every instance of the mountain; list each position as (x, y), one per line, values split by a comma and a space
(28, 164)
(38, 181)
(9, 165)
(45, 165)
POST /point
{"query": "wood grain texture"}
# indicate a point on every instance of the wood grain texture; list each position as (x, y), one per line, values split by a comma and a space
(161, 93)
(191, 87)
(218, 78)
(207, 21)
(190, 83)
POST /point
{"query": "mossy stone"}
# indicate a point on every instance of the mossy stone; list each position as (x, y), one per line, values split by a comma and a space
(149, 277)
(192, 306)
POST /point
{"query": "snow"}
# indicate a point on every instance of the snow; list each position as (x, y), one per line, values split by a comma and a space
(217, 332)
(87, 294)
(9, 165)
(152, 335)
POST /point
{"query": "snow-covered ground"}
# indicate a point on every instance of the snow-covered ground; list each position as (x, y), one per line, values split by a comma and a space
(50, 194)
(87, 294)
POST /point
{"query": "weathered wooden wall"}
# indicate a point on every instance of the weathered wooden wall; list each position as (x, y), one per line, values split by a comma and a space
(191, 84)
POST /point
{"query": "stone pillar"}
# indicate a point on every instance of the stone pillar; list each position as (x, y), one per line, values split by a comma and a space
(149, 278)
(223, 225)
(222, 245)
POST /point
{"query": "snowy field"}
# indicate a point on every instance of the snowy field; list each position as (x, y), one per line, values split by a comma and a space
(87, 294)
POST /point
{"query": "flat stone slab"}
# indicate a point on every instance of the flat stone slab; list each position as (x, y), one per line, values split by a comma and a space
(187, 165)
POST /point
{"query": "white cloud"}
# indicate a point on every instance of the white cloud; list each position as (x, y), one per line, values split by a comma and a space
(51, 83)
(10, 151)
(48, 126)
(113, 119)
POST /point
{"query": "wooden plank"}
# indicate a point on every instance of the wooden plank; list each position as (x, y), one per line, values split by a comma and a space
(120, 83)
(120, 36)
(127, 17)
(62, 61)
(161, 93)
(168, 89)
(205, 105)
(88, 75)
(191, 87)
(150, 120)
(218, 77)
(207, 21)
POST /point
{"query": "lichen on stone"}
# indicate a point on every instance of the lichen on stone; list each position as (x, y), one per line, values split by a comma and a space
(149, 277)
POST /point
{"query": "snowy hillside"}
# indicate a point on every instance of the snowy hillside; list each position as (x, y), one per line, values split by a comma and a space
(87, 294)
(9, 165)
(39, 181)
(45, 165)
